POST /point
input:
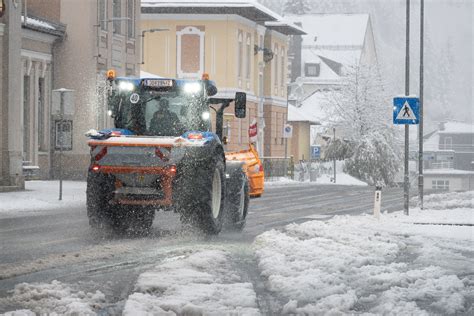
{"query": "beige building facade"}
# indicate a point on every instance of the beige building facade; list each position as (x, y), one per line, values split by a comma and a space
(239, 51)
(28, 44)
(100, 35)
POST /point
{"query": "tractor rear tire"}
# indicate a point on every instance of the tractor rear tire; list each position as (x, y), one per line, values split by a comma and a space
(99, 191)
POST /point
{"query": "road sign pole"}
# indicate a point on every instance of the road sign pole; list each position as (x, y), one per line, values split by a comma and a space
(407, 93)
(420, 126)
(61, 140)
(286, 157)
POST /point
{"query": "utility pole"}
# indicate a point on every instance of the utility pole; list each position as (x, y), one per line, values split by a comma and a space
(334, 152)
(407, 93)
(420, 126)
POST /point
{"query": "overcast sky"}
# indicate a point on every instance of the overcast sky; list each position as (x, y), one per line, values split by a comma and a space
(449, 63)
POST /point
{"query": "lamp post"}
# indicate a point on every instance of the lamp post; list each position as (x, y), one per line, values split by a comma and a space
(334, 153)
(420, 126)
(407, 93)
(143, 39)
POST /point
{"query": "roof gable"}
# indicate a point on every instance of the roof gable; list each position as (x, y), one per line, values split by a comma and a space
(342, 30)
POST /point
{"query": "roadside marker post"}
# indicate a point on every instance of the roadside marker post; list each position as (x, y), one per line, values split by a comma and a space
(377, 201)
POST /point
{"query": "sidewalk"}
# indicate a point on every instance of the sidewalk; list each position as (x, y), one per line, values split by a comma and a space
(41, 196)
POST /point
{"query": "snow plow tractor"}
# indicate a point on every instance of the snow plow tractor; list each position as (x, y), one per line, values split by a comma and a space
(163, 155)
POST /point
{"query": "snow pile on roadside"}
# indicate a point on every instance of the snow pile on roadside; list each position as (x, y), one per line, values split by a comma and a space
(341, 179)
(195, 284)
(52, 298)
(43, 195)
(449, 200)
(358, 264)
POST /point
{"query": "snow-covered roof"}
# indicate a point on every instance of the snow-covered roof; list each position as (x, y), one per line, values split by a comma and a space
(144, 74)
(325, 72)
(457, 128)
(249, 9)
(432, 142)
(448, 172)
(313, 109)
(343, 56)
(285, 27)
(332, 29)
(246, 8)
(43, 25)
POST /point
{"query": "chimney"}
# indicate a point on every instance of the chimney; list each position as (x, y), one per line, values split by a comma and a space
(441, 126)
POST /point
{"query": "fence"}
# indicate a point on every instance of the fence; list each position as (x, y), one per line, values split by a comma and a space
(278, 167)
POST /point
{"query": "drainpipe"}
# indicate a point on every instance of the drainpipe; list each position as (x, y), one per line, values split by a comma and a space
(25, 11)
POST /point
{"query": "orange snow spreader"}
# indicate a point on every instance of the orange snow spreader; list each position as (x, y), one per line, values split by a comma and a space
(253, 168)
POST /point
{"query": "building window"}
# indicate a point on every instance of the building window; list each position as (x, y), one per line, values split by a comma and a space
(312, 69)
(190, 52)
(440, 184)
(282, 78)
(117, 22)
(240, 54)
(448, 143)
(103, 15)
(248, 56)
(275, 58)
(131, 18)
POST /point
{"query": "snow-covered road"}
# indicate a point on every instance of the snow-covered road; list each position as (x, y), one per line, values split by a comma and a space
(343, 264)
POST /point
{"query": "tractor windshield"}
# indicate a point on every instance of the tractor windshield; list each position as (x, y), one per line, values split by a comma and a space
(160, 113)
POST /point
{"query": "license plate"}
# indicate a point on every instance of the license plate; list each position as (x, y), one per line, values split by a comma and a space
(158, 83)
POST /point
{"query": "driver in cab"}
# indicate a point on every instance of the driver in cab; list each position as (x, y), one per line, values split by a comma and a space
(165, 122)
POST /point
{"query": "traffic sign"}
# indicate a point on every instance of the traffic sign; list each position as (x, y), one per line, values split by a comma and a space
(406, 110)
(315, 152)
(287, 131)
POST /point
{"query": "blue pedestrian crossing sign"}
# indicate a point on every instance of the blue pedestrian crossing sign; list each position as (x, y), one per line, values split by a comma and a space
(315, 152)
(406, 110)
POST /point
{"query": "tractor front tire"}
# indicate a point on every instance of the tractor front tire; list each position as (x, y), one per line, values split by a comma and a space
(237, 205)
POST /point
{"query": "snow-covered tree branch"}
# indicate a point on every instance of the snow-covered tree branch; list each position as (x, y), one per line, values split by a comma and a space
(362, 112)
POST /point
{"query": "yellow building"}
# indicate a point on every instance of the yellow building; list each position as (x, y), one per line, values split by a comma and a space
(240, 44)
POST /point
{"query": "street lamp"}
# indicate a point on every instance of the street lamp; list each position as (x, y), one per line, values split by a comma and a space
(334, 152)
(143, 39)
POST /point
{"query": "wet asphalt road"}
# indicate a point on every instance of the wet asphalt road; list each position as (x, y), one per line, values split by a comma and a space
(60, 246)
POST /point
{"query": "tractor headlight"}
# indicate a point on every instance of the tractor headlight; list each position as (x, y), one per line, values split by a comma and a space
(192, 87)
(205, 116)
(126, 86)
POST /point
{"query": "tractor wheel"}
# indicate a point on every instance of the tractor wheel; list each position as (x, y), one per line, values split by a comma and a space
(237, 205)
(211, 207)
(99, 191)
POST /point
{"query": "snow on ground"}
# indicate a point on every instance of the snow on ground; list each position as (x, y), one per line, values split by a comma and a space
(409, 265)
(194, 284)
(341, 179)
(42, 195)
(53, 298)
(358, 264)
(449, 200)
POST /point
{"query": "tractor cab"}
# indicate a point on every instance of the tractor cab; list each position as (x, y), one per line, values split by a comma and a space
(167, 107)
